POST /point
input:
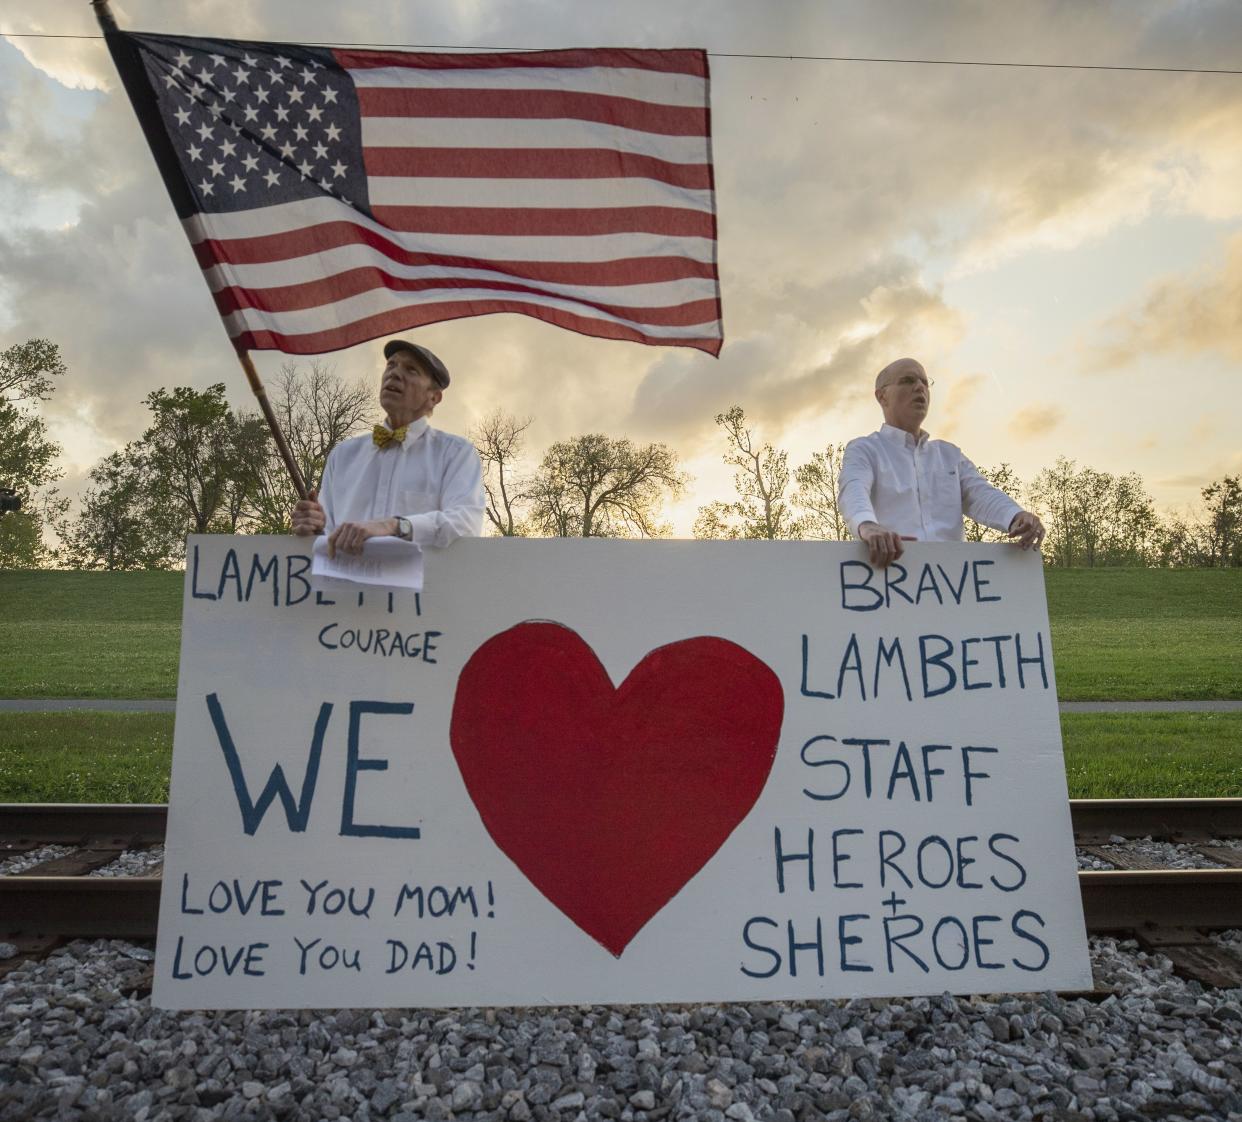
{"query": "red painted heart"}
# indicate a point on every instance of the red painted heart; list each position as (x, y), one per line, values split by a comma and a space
(610, 800)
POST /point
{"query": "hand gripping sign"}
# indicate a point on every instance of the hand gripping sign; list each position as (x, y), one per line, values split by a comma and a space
(596, 771)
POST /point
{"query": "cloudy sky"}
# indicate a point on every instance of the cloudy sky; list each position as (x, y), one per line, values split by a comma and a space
(1062, 248)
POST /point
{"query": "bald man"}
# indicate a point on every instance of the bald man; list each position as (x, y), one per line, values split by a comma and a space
(898, 485)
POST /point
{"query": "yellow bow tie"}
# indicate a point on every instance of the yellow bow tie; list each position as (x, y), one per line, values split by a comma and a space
(383, 437)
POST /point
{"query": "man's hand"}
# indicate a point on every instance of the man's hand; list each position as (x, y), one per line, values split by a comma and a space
(308, 516)
(1027, 529)
(883, 546)
(350, 537)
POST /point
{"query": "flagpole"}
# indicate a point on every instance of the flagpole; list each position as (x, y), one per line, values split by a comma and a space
(282, 445)
(107, 23)
(104, 15)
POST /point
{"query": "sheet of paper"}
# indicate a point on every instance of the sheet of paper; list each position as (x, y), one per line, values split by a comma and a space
(389, 562)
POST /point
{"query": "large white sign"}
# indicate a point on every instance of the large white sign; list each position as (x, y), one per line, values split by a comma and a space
(574, 772)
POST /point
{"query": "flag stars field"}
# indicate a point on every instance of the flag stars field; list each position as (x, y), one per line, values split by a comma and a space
(573, 186)
(222, 89)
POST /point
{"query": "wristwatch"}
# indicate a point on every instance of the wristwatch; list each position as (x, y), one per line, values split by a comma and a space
(405, 531)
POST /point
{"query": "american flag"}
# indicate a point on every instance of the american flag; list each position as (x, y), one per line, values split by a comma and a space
(332, 196)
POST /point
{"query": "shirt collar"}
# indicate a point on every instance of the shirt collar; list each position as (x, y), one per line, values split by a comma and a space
(900, 436)
(413, 432)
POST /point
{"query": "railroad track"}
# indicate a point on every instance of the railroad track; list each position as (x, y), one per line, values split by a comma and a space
(1165, 908)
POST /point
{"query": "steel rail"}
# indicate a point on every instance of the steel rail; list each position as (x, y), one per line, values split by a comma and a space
(1094, 821)
(1098, 820)
(80, 907)
(29, 824)
(128, 907)
(1117, 900)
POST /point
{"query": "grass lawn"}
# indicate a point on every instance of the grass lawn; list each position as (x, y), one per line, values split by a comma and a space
(1117, 634)
(89, 634)
(1153, 755)
(1146, 634)
(85, 757)
(125, 757)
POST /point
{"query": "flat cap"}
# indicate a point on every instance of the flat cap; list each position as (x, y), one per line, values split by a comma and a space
(434, 366)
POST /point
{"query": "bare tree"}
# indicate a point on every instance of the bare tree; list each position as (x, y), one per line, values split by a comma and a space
(499, 438)
(761, 479)
(817, 495)
(316, 410)
(594, 486)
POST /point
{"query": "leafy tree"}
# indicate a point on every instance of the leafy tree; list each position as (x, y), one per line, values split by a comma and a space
(1222, 530)
(21, 537)
(499, 438)
(761, 479)
(191, 452)
(27, 456)
(1178, 542)
(1094, 518)
(28, 466)
(817, 495)
(253, 451)
(1209, 538)
(27, 370)
(194, 471)
(1005, 479)
(316, 410)
(121, 526)
(594, 486)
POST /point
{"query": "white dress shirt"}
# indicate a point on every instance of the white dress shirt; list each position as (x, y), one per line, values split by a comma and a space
(917, 487)
(433, 478)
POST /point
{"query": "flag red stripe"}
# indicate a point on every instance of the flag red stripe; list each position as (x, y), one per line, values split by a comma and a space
(300, 271)
(403, 319)
(314, 294)
(692, 62)
(533, 163)
(332, 235)
(675, 222)
(625, 112)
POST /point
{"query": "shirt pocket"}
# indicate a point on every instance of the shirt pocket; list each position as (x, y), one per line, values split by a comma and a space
(946, 486)
(417, 502)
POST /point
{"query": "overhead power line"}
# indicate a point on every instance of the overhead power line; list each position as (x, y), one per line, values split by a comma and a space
(743, 54)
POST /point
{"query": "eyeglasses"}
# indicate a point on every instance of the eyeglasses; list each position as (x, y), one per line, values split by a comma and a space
(909, 380)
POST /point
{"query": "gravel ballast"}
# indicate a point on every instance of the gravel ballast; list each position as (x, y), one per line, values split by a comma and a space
(134, 863)
(1154, 854)
(20, 862)
(75, 1043)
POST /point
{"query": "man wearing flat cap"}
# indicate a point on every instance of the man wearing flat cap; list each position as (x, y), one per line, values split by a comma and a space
(405, 479)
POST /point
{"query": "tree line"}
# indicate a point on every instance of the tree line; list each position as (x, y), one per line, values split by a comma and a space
(595, 486)
(1093, 518)
(202, 467)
